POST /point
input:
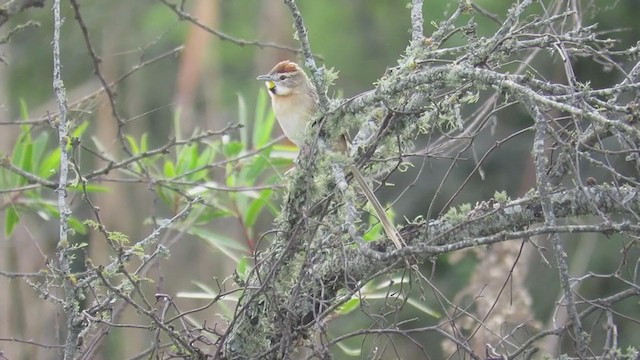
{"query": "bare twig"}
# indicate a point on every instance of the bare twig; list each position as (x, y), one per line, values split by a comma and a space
(182, 15)
(309, 61)
(13, 7)
(542, 183)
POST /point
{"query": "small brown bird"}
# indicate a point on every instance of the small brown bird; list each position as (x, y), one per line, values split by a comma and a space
(294, 100)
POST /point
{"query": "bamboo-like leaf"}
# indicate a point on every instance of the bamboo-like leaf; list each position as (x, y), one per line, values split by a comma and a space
(229, 247)
(243, 119)
(168, 169)
(11, 219)
(263, 122)
(50, 164)
(349, 306)
(255, 207)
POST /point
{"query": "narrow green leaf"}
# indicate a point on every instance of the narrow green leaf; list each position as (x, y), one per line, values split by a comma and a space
(422, 307)
(11, 219)
(91, 188)
(165, 195)
(210, 214)
(144, 142)
(349, 306)
(224, 244)
(24, 109)
(263, 122)
(22, 156)
(184, 158)
(243, 119)
(50, 164)
(232, 148)
(169, 170)
(52, 210)
(26, 163)
(372, 233)
(255, 207)
(101, 148)
(133, 144)
(349, 351)
(256, 168)
(205, 158)
(193, 158)
(39, 147)
(77, 132)
(77, 225)
(243, 268)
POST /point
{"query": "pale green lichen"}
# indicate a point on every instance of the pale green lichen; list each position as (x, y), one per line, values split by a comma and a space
(501, 196)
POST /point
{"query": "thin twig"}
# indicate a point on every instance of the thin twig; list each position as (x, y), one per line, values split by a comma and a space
(318, 73)
(542, 183)
(64, 261)
(182, 15)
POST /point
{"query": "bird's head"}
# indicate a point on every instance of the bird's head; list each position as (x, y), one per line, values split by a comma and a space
(285, 78)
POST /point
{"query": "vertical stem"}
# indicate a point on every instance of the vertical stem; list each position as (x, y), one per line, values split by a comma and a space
(542, 183)
(309, 62)
(417, 31)
(64, 261)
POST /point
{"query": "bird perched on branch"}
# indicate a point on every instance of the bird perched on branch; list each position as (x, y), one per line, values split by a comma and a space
(294, 100)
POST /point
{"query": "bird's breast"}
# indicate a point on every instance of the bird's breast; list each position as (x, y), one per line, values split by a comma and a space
(293, 113)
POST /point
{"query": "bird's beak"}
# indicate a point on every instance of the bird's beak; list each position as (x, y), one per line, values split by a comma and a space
(268, 81)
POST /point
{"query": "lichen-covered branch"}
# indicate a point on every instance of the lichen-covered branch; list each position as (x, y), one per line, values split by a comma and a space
(71, 301)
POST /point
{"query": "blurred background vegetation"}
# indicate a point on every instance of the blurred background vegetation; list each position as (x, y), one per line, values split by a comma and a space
(207, 86)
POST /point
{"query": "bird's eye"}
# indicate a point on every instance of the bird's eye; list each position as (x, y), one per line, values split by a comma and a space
(282, 77)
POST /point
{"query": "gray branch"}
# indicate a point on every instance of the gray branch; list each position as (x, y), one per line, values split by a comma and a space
(71, 302)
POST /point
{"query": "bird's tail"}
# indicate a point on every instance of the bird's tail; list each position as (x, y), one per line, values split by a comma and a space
(389, 228)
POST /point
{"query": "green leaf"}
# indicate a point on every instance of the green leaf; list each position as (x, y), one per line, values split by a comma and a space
(77, 132)
(224, 244)
(165, 194)
(210, 293)
(349, 306)
(168, 169)
(232, 148)
(187, 157)
(257, 166)
(39, 147)
(255, 208)
(26, 163)
(242, 118)
(24, 109)
(204, 159)
(22, 156)
(52, 210)
(144, 146)
(349, 351)
(263, 125)
(243, 268)
(373, 233)
(50, 164)
(210, 214)
(11, 219)
(422, 307)
(133, 144)
(77, 225)
(91, 188)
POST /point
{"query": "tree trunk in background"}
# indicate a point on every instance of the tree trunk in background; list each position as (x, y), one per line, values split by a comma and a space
(199, 62)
